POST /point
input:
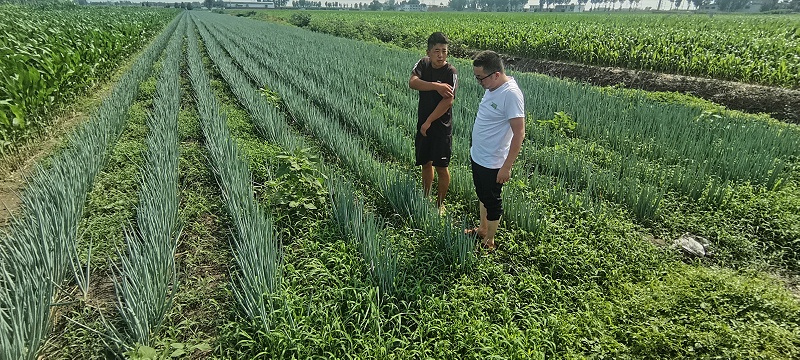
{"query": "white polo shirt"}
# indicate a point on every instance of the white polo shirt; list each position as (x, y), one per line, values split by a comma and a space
(491, 134)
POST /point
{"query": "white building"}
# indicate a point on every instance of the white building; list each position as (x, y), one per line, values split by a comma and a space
(415, 7)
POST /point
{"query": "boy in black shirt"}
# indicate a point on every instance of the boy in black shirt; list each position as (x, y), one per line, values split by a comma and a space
(437, 81)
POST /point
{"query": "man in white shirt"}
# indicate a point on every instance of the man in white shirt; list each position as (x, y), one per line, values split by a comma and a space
(496, 140)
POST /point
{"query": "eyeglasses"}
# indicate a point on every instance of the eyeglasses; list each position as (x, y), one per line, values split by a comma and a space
(480, 79)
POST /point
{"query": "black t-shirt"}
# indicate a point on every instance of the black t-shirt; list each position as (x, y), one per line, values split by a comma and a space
(428, 100)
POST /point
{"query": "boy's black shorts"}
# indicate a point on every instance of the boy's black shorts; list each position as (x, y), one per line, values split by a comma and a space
(434, 147)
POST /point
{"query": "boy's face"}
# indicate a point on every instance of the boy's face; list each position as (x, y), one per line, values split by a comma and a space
(438, 55)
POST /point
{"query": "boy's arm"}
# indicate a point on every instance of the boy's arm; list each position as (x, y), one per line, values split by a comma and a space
(518, 134)
(445, 90)
(440, 109)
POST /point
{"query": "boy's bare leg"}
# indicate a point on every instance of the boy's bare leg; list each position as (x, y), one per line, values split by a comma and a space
(427, 178)
(444, 183)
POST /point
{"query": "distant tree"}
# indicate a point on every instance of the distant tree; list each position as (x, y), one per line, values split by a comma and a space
(375, 5)
(731, 5)
(769, 5)
(700, 3)
(457, 5)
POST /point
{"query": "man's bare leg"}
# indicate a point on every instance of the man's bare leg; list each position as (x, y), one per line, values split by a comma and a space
(483, 228)
(444, 183)
(487, 229)
(427, 178)
(488, 240)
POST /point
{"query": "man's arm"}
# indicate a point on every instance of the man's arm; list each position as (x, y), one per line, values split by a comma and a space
(445, 90)
(440, 109)
(518, 130)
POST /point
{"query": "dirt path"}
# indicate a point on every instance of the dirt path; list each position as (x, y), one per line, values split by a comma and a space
(780, 103)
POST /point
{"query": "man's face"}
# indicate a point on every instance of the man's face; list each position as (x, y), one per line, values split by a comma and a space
(486, 80)
(438, 55)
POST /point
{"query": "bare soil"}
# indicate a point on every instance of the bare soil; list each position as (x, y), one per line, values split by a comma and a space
(780, 103)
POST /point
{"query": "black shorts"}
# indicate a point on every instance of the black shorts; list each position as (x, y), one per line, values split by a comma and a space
(434, 148)
(488, 190)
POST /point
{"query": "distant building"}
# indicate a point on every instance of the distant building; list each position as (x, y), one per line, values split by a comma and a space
(753, 6)
(569, 8)
(249, 4)
(414, 7)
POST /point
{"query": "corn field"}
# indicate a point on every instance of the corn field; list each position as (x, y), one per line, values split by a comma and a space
(49, 56)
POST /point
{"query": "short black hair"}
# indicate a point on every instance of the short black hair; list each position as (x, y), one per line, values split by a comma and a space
(437, 38)
(490, 61)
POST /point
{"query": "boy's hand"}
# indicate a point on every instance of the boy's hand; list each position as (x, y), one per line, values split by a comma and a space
(445, 90)
(424, 128)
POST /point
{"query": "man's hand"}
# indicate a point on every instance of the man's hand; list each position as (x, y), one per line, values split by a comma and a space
(424, 128)
(445, 90)
(503, 175)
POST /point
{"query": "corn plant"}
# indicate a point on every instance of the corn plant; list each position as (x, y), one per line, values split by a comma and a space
(761, 50)
(49, 56)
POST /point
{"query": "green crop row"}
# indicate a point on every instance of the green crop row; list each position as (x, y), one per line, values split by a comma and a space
(49, 56)
(753, 49)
